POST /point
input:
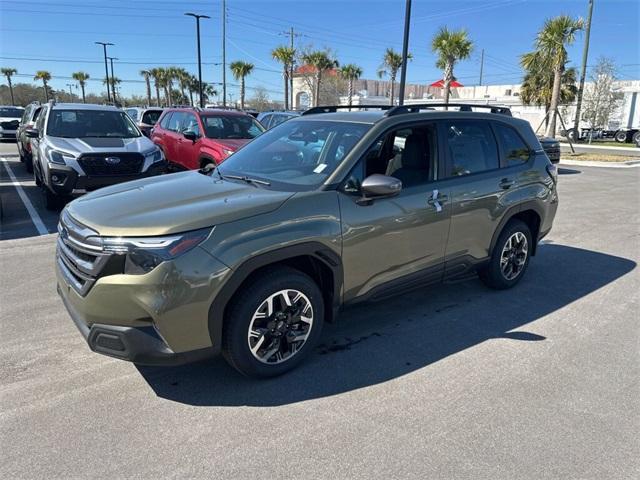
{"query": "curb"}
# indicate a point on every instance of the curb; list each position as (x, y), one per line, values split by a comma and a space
(593, 163)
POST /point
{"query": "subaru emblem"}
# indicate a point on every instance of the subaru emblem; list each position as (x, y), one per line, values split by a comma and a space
(112, 160)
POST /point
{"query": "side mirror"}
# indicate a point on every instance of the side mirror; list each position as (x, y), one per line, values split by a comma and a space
(32, 132)
(379, 186)
(190, 135)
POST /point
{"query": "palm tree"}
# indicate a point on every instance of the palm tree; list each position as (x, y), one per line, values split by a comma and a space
(113, 81)
(352, 73)
(156, 74)
(321, 62)
(9, 72)
(286, 56)
(192, 86)
(450, 46)
(537, 85)
(208, 90)
(81, 78)
(147, 78)
(551, 55)
(166, 83)
(182, 76)
(45, 77)
(240, 70)
(391, 63)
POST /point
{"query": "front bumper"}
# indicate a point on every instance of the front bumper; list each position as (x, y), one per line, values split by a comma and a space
(69, 182)
(160, 318)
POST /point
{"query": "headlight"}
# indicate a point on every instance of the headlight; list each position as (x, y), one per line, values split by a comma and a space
(59, 157)
(154, 155)
(143, 254)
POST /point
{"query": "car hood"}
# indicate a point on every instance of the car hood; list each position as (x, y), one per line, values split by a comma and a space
(9, 119)
(77, 146)
(172, 203)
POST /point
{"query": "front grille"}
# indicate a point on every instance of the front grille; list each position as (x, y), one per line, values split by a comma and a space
(10, 125)
(79, 254)
(108, 164)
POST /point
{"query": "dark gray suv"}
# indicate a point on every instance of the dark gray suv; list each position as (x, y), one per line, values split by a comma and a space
(329, 209)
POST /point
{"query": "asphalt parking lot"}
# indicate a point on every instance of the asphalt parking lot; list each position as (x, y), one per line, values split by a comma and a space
(541, 381)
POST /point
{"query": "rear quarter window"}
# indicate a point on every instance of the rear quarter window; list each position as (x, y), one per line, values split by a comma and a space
(514, 150)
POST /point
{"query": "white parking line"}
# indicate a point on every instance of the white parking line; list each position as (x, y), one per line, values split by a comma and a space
(35, 218)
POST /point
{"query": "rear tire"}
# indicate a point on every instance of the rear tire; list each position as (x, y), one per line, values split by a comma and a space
(636, 138)
(510, 256)
(273, 323)
(620, 136)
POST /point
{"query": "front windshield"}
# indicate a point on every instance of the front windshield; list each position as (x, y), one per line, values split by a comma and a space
(91, 123)
(297, 155)
(223, 127)
(11, 112)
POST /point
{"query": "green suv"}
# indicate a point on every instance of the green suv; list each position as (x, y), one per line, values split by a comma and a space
(251, 257)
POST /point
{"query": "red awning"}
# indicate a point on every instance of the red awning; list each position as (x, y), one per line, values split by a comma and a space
(440, 84)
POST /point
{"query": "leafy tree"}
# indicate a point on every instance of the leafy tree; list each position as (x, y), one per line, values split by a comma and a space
(81, 78)
(286, 56)
(113, 81)
(600, 101)
(45, 77)
(352, 73)
(551, 54)
(391, 63)
(451, 47)
(9, 72)
(240, 70)
(321, 61)
(208, 91)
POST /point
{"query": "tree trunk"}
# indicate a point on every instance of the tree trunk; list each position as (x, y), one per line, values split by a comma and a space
(316, 96)
(291, 84)
(242, 93)
(286, 88)
(448, 76)
(46, 91)
(555, 95)
(157, 93)
(350, 91)
(191, 97)
(148, 89)
(393, 88)
(13, 102)
(82, 88)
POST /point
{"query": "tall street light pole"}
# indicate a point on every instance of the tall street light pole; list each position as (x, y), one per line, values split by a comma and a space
(198, 17)
(405, 53)
(224, 53)
(113, 83)
(583, 71)
(106, 69)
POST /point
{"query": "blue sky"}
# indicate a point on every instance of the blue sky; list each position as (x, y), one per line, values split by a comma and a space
(58, 35)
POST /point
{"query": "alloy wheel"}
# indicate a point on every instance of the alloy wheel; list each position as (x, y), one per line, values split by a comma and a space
(280, 326)
(514, 256)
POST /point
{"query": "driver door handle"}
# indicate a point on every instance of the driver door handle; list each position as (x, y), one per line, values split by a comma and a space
(436, 199)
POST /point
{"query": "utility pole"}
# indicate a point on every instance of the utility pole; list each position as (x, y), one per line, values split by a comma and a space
(405, 53)
(481, 65)
(113, 83)
(70, 92)
(583, 72)
(106, 69)
(224, 53)
(198, 17)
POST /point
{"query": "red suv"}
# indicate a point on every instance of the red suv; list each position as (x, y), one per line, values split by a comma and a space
(191, 138)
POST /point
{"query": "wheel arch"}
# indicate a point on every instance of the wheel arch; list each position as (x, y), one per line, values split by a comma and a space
(528, 212)
(322, 264)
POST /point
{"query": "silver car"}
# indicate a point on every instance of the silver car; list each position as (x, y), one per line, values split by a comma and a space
(79, 147)
(9, 121)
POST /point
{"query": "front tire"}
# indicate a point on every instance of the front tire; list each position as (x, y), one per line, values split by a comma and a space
(510, 256)
(273, 323)
(620, 136)
(52, 201)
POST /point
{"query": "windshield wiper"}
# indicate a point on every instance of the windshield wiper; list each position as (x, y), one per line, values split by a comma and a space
(245, 179)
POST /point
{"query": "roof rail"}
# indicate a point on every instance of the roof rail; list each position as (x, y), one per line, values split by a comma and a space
(464, 107)
(335, 108)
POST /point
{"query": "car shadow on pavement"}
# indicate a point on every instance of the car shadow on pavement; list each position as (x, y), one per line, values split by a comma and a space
(568, 171)
(375, 343)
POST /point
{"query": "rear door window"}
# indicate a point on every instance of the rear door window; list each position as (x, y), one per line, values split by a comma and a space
(471, 146)
(266, 120)
(514, 150)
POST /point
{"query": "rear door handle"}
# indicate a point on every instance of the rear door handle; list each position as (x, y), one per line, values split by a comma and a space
(506, 183)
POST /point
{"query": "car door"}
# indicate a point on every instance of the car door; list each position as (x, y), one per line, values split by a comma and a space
(398, 242)
(172, 135)
(24, 121)
(479, 191)
(188, 151)
(35, 142)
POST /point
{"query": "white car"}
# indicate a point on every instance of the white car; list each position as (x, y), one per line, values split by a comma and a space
(9, 121)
